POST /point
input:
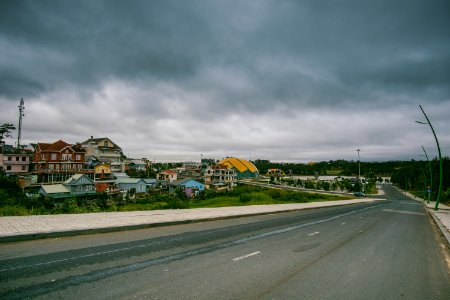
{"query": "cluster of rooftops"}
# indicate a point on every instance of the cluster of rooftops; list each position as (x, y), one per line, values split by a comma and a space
(98, 165)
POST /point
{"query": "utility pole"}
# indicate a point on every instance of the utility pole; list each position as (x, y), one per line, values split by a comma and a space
(21, 114)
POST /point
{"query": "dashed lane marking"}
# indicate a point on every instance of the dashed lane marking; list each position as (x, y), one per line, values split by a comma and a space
(246, 256)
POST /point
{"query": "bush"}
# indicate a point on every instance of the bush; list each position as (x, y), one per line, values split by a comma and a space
(69, 206)
(11, 210)
(244, 198)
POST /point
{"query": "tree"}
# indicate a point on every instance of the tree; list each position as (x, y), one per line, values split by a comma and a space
(5, 131)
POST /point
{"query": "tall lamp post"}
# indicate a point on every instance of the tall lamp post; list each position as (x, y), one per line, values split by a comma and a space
(440, 157)
(431, 175)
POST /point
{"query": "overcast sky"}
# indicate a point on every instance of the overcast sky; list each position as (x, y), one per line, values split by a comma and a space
(279, 80)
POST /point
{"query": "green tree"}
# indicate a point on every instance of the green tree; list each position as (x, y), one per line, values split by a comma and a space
(5, 131)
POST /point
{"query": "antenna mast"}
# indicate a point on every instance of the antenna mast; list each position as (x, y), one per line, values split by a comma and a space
(21, 114)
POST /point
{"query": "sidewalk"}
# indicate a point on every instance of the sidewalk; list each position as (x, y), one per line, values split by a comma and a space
(45, 226)
(441, 216)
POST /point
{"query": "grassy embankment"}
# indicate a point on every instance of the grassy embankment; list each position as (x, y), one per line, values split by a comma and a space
(240, 196)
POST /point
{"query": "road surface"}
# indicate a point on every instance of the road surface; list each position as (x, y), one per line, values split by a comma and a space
(388, 249)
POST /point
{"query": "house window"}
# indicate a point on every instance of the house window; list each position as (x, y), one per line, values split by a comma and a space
(105, 144)
(8, 168)
(17, 158)
(9, 158)
(24, 168)
(53, 157)
(78, 157)
(24, 158)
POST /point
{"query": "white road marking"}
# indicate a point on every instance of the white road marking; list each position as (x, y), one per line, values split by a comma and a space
(343, 223)
(404, 212)
(245, 256)
(314, 233)
(236, 242)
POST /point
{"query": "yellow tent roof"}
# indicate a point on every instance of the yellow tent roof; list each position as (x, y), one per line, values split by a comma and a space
(239, 164)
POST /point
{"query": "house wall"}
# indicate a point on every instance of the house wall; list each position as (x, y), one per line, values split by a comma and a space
(15, 163)
(140, 187)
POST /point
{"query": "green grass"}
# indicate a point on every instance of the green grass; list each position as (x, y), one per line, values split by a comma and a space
(240, 196)
(263, 196)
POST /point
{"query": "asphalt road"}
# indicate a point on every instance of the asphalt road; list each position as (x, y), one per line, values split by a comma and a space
(383, 250)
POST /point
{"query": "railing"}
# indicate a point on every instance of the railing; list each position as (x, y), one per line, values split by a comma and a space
(55, 171)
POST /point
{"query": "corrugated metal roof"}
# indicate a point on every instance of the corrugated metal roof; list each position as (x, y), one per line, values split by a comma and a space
(241, 165)
(55, 189)
(128, 180)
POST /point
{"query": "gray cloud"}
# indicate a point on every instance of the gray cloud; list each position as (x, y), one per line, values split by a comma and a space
(296, 80)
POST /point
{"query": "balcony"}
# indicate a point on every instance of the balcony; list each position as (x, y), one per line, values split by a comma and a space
(63, 171)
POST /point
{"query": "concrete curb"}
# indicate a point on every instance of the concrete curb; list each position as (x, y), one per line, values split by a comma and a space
(444, 231)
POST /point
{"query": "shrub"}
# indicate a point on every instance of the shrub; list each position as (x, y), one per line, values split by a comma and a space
(244, 198)
(11, 210)
(69, 206)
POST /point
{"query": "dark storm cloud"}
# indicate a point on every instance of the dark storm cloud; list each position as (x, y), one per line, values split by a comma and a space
(103, 39)
(397, 44)
(273, 67)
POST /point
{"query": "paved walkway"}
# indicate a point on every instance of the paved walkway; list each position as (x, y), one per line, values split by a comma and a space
(41, 226)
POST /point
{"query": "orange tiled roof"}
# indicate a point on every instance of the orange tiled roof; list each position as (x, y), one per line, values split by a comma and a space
(58, 146)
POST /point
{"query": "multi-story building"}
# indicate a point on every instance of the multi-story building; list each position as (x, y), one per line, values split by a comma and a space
(104, 150)
(58, 161)
(220, 177)
(15, 161)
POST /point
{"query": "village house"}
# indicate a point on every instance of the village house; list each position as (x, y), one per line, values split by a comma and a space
(135, 164)
(77, 185)
(15, 161)
(56, 162)
(190, 187)
(126, 184)
(220, 177)
(104, 150)
(167, 175)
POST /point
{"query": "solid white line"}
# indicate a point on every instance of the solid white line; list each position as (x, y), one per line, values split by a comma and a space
(314, 233)
(245, 256)
(343, 223)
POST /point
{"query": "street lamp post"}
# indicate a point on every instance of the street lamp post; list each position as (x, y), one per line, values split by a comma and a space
(431, 175)
(440, 157)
